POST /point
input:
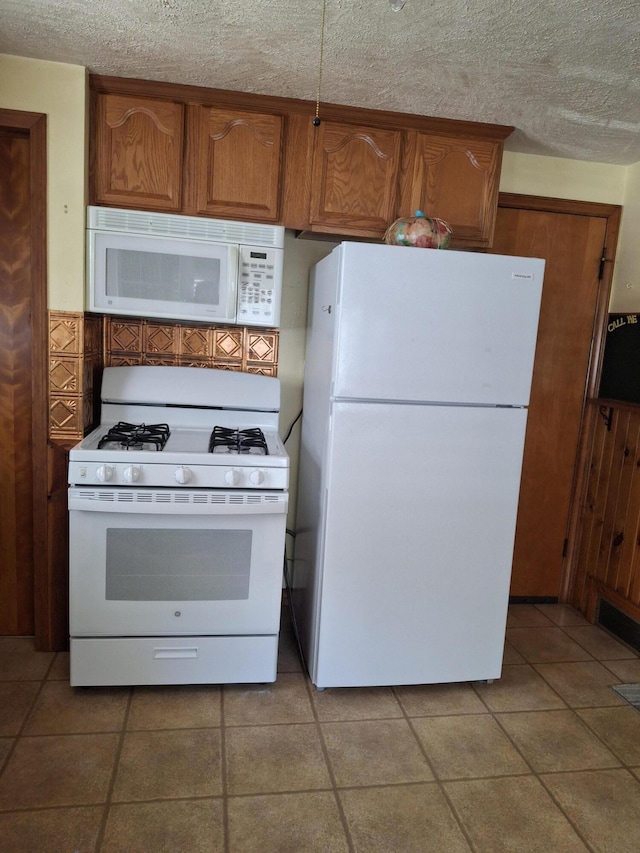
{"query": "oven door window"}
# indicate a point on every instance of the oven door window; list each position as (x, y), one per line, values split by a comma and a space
(177, 565)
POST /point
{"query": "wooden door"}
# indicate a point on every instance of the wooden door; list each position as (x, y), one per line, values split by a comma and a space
(26, 584)
(572, 245)
(16, 494)
(238, 164)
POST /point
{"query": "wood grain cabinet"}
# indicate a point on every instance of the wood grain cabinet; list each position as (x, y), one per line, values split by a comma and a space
(234, 155)
(139, 145)
(453, 178)
(238, 157)
(354, 179)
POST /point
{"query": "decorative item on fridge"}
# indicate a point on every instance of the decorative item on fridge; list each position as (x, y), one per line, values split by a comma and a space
(419, 231)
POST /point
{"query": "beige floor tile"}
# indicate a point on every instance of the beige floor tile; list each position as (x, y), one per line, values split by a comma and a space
(526, 616)
(288, 653)
(545, 645)
(60, 667)
(20, 662)
(169, 764)
(628, 671)
(284, 701)
(64, 770)
(375, 752)
(175, 707)
(604, 805)
(583, 684)
(511, 656)
(468, 747)
(16, 698)
(428, 700)
(562, 614)
(407, 818)
(512, 814)
(275, 759)
(556, 740)
(355, 703)
(167, 827)
(51, 830)
(619, 728)
(519, 689)
(62, 709)
(286, 823)
(600, 644)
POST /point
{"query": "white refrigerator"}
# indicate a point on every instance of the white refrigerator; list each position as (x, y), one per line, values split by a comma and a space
(416, 386)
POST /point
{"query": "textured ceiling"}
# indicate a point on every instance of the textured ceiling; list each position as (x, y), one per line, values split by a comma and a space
(565, 73)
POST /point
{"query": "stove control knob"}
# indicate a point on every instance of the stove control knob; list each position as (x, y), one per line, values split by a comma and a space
(182, 475)
(104, 473)
(131, 474)
(257, 478)
(232, 477)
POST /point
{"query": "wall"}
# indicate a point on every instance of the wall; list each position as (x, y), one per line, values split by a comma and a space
(626, 282)
(60, 91)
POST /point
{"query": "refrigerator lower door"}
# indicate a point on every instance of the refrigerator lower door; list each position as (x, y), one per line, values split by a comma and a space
(417, 544)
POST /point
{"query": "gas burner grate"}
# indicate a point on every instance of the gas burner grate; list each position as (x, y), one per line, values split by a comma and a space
(225, 440)
(135, 436)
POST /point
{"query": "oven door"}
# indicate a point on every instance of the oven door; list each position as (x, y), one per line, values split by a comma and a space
(161, 562)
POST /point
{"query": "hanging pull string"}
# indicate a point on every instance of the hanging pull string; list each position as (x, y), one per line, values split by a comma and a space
(316, 120)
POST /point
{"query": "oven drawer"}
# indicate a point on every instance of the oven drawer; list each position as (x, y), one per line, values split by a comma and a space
(173, 660)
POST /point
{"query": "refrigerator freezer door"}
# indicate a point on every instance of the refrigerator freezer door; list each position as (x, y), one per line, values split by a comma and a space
(419, 324)
(414, 576)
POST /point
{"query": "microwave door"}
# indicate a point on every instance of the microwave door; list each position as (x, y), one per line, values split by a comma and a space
(154, 277)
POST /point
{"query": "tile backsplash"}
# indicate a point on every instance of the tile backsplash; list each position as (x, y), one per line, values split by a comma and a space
(81, 344)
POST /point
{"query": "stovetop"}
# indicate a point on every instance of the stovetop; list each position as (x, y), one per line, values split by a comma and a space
(166, 419)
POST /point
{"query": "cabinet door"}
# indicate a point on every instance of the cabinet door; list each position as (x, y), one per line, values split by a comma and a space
(454, 179)
(238, 164)
(355, 179)
(139, 144)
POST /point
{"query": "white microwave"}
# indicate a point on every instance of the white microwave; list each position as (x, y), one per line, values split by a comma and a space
(183, 267)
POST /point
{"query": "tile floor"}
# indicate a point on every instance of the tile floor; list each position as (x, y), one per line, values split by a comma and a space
(546, 759)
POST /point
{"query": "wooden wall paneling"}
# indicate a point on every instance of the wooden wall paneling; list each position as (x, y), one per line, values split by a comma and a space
(595, 498)
(617, 441)
(592, 444)
(626, 514)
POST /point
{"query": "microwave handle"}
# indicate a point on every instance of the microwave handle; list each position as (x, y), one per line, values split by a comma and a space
(232, 274)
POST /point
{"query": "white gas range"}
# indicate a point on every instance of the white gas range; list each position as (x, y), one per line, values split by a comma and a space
(177, 513)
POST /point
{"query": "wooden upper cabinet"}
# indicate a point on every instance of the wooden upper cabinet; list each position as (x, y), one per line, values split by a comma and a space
(139, 146)
(354, 181)
(237, 163)
(455, 179)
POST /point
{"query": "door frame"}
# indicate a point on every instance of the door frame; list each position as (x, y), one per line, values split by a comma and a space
(612, 213)
(34, 126)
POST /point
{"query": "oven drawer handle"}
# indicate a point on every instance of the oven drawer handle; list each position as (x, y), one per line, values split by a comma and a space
(168, 652)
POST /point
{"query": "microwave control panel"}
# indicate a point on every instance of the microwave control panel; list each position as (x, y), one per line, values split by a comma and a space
(259, 286)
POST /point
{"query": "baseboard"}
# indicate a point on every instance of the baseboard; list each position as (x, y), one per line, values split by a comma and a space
(623, 626)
